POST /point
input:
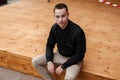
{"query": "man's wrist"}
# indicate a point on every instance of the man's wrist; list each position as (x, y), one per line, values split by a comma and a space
(62, 66)
(49, 62)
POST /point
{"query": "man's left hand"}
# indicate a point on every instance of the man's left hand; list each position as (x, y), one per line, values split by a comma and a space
(59, 70)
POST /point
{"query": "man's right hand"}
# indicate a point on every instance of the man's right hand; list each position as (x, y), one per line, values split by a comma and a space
(50, 67)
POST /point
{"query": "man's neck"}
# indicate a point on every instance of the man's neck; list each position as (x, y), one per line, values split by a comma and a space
(65, 25)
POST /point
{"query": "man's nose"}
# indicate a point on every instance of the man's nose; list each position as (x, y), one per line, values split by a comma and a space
(60, 19)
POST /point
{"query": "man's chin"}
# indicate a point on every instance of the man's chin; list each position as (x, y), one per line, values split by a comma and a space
(61, 25)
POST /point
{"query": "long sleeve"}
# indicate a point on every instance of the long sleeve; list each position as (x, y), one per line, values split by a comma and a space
(80, 48)
(50, 45)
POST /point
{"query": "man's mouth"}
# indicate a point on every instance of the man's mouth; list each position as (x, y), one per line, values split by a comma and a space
(61, 23)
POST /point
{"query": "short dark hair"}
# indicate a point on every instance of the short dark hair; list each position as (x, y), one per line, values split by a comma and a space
(60, 6)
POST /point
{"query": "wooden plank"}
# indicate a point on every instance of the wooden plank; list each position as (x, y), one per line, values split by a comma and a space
(23, 64)
(17, 62)
(24, 27)
(102, 64)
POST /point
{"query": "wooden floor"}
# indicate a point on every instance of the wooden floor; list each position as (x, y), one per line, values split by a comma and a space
(25, 24)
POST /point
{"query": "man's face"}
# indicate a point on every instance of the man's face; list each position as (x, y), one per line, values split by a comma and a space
(61, 16)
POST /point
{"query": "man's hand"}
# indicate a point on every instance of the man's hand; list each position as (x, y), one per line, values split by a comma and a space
(59, 70)
(50, 67)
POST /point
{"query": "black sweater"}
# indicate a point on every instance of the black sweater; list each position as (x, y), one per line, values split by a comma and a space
(70, 41)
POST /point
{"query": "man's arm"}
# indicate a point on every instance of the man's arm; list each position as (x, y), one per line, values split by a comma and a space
(80, 48)
(50, 45)
(49, 51)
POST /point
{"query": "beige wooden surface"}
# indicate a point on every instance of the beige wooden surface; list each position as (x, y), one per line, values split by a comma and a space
(24, 27)
(23, 64)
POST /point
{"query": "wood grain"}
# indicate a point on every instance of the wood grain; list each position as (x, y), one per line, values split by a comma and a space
(25, 25)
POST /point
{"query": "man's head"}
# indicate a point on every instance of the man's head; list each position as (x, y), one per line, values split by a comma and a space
(61, 15)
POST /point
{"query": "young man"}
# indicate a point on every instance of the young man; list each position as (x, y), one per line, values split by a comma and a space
(71, 44)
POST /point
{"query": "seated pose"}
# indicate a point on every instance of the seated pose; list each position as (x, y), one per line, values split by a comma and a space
(71, 45)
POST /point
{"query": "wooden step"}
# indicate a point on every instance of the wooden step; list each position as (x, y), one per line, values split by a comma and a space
(24, 27)
(23, 64)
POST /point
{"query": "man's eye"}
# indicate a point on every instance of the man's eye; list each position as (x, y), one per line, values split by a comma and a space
(63, 15)
(57, 16)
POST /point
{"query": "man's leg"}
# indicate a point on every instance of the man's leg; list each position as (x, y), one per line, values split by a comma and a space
(59, 59)
(73, 71)
(39, 63)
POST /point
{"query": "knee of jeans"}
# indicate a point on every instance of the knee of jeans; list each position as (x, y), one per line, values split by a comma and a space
(34, 63)
(70, 78)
